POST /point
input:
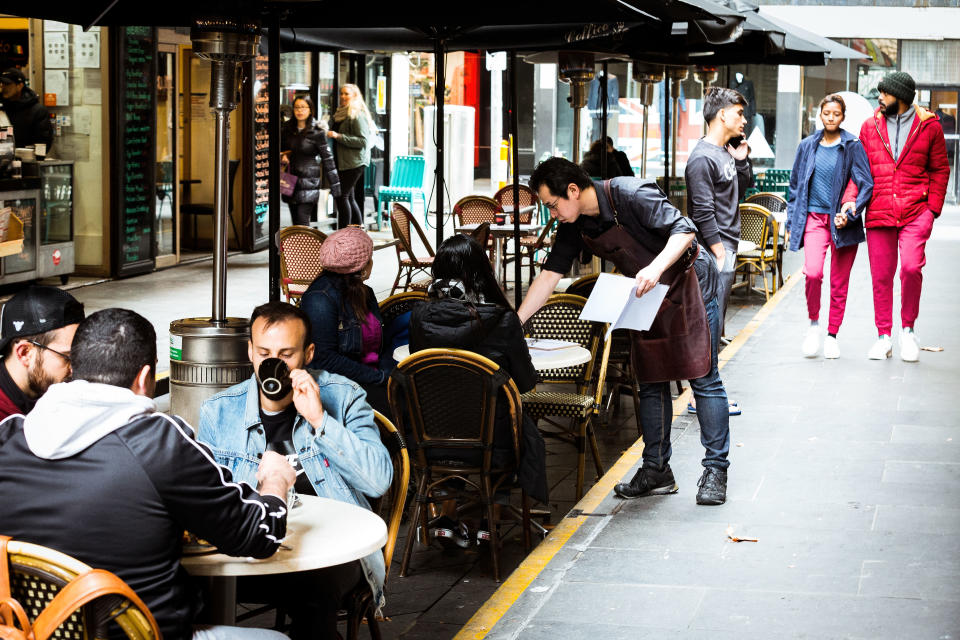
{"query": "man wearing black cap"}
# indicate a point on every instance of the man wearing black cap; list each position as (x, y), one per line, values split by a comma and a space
(36, 329)
(908, 159)
(30, 120)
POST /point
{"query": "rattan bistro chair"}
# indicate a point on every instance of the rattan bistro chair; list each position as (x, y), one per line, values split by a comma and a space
(299, 249)
(44, 581)
(758, 226)
(401, 222)
(774, 203)
(559, 319)
(398, 304)
(390, 507)
(449, 397)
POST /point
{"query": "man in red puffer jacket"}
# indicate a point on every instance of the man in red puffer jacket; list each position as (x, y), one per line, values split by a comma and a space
(908, 160)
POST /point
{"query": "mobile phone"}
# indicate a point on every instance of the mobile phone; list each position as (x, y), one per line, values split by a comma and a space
(736, 142)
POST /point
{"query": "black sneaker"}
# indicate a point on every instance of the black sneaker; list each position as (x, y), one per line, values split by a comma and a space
(647, 482)
(450, 533)
(713, 486)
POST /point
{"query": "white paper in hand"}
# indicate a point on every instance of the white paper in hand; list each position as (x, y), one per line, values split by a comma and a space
(614, 301)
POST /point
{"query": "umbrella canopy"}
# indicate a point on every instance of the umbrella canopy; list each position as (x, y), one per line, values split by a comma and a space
(431, 19)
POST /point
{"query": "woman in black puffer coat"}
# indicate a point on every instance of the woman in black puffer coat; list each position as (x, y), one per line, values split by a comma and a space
(467, 309)
(303, 143)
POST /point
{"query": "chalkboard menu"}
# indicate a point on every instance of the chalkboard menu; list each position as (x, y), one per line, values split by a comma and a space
(134, 67)
(261, 151)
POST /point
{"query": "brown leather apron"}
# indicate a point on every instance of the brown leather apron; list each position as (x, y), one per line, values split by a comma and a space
(677, 345)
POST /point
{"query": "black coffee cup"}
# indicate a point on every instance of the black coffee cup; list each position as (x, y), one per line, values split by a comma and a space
(274, 378)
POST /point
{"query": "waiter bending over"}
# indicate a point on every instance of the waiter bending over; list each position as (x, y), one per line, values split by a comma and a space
(629, 222)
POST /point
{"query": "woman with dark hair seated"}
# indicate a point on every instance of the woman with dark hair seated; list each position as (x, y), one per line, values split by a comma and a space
(466, 309)
(348, 332)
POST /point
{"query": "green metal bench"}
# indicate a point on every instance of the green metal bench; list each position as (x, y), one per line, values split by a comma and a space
(406, 183)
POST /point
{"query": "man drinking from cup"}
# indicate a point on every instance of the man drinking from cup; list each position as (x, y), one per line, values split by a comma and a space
(324, 425)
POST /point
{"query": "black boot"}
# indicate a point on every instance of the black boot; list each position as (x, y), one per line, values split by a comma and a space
(647, 482)
(713, 486)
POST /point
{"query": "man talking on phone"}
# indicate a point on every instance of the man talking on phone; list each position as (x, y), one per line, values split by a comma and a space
(714, 170)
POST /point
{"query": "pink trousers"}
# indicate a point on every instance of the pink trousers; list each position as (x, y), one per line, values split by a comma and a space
(882, 245)
(816, 241)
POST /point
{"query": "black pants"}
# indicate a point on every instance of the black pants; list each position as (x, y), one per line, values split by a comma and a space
(310, 598)
(303, 212)
(349, 212)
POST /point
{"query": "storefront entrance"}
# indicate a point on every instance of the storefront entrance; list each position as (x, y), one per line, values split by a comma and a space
(943, 101)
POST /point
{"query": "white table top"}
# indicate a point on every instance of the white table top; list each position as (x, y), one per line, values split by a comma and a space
(505, 229)
(508, 208)
(320, 533)
(555, 359)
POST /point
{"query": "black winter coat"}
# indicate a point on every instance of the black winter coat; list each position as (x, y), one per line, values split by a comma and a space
(305, 145)
(496, 333)
(30, 120)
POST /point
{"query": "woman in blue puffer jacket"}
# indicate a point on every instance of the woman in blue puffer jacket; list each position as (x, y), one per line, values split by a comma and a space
(826, 162)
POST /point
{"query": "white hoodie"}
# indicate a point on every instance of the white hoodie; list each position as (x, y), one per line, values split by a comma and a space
(71, 416)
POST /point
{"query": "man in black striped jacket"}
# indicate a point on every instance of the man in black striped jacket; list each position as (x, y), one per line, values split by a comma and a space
(97, 473)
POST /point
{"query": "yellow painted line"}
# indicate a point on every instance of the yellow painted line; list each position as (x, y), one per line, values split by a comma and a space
(503, 598)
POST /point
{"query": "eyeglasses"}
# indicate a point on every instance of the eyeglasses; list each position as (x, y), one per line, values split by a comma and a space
(65, 356)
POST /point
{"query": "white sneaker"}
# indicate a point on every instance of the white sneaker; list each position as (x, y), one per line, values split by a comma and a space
(909, 349)
(881, 349)
(811, 343)
(831, 348)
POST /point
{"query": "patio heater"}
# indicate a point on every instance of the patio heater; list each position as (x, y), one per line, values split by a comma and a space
(576, 68)
(705, 76)
(677, 75)
(210, 354)
(647, 76)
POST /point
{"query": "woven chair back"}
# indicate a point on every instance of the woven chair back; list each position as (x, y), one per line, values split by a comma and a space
(583, 286)
(773, 202)
(526, 196)
(559, 319)
(754, 224)
(397, 305)
(390, 505)
(449, 397)
(38, 574)
(476, 209)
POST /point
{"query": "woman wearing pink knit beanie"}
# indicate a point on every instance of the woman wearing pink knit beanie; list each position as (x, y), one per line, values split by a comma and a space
(347, 328)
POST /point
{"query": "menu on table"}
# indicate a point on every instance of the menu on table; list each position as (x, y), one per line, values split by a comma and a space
(134, 68)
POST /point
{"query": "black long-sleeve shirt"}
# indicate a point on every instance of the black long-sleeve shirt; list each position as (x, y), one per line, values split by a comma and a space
(645, 213)
(713, 189)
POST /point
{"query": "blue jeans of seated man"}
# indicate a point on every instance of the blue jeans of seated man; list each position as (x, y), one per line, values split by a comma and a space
(656, 411)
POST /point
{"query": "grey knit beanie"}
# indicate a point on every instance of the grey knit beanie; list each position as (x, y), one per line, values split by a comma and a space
(900, 85)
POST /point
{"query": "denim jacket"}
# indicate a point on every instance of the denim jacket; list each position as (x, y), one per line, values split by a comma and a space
(852, 165)
(347, 462)
(338, 334)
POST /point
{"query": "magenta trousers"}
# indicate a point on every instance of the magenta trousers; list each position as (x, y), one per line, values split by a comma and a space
(883, 245)
(816, 241)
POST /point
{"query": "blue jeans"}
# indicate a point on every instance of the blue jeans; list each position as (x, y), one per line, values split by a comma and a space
(656, 411)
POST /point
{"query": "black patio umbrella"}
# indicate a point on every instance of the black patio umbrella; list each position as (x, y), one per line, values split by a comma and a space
(436, 25)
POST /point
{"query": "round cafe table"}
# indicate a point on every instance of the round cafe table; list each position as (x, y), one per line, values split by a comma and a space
(569, 356)
(320, 533)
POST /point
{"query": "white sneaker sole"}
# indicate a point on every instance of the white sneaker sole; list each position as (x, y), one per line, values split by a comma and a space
(874, 357)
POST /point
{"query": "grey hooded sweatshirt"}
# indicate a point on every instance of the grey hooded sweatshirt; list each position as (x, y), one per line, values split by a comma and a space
(898, 128)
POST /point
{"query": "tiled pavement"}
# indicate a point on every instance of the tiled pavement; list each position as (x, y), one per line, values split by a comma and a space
(846, 472)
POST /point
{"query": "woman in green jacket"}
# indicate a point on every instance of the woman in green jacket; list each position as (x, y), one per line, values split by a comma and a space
(352, 130)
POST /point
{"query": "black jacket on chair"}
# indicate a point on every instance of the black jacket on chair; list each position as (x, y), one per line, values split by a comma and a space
(495, 333)
(310, 160)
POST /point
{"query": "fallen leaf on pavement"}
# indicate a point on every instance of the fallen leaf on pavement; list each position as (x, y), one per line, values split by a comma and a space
(933, 349)
(732, 539)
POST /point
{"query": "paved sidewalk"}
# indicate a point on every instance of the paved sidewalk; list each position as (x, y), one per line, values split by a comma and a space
(846, 472)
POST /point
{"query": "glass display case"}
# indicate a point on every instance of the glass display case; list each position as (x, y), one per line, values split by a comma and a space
(23, 204)
(43, 201)
(55, 229)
